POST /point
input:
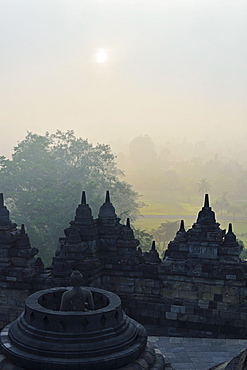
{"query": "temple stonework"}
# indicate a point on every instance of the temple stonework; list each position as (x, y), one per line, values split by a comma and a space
(90, 241)
(205, 240)
(200, 284)
(17, 262)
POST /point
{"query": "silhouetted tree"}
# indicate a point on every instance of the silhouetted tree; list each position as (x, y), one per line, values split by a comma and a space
(234, 210)
(203, 186)
(144, 237)
(165, 233)
(44, 180)
(221, 204)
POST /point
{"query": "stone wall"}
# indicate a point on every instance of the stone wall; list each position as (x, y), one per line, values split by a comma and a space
(152, 295)
(180, 301)
(11, 304)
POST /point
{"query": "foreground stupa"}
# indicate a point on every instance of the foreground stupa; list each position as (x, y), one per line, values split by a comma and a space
(105, 338)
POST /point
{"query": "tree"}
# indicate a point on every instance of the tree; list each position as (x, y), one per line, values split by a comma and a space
(203, 186)
(144, 237)
(243, 254)
(234, 210)
(44, 180)
(221, 204)
(165, 233)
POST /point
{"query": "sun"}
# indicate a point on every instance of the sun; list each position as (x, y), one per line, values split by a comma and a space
(101, 56)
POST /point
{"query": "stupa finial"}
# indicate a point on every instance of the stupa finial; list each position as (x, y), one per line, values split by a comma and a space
(153, 246)
(107, 210)
(182, 226)
(206, 215)
(230, 228)
(128, 222)
(83, 198)
(23, 231)
(206, 201)
(1, 200)
(107, 197)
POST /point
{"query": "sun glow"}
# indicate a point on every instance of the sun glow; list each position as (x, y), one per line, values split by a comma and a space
(101, 56)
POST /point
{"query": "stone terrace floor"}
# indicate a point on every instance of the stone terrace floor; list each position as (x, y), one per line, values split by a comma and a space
(197, 353)
(193, 349)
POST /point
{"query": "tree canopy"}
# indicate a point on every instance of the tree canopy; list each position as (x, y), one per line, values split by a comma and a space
(165, 233)
(203, 186)
(44, 179)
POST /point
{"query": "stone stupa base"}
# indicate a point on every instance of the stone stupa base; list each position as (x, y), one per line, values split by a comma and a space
(45, 338)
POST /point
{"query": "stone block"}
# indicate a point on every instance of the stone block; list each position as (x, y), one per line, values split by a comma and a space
(177, 309)
(169, 293)
(216, 289)
(238, 323)
(205, 288)
(150, 305)
(203, 304)
(177, 278)
(11, 278)
(225, 314)
(12, 302)
(165, 308)
(127, 288)
(189, 309)
(157, 284)
(13, 317)
(149, 283)
(155, 291)
(146, 290)
(222, 306)
(138, 289)
(218, 297)
(243, 316)
(231, 277)
(155, 314)
(212, 305)
(171, 315)
(199, 295)
(230, 299)
(183, 286)
(238, 283)
(198, 311)
(215, 312)
(157, 306)
(219, 282)
(193, 318)
(144, 312)
(195, 288)
(233, 291)
(198, 280)
(4, 252)
(4, 259)
(208, 297)
(183, 317)
(187, 295)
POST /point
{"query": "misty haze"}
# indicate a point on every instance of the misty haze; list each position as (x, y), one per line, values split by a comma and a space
(123, 169)
(162, 83)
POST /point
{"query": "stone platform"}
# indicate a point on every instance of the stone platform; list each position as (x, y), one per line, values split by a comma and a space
(197, 353)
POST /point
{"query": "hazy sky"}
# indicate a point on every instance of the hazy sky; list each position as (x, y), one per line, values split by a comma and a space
(171, 68)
